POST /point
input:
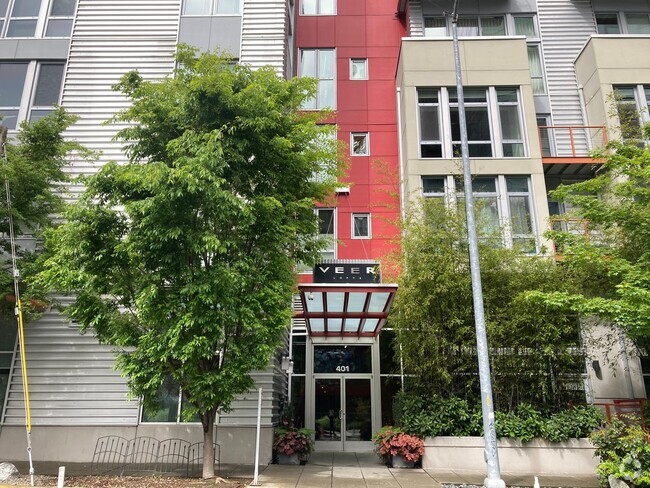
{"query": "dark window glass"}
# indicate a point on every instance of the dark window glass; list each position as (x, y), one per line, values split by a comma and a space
(26, 8)
(3, 8)
(12, 81)
(388, 353)
(166, 403)
(49, 84)
(21, 28)
(63, 8)
(607, 23)
(326, 219)
(433, 185)
(298, 351)
(342, 359)
(59, 28)
(298, 400)
(390, 386)
(431, 150)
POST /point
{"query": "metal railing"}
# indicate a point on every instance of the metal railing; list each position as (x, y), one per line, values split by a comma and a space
(571, 141)
(633, 408)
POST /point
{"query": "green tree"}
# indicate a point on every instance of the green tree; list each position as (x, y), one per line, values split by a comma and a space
(183, 257)
(532, 343)
(33, 168)
(611, 263)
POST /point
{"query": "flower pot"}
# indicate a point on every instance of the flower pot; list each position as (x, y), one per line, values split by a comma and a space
(288, 458)
(400, 462)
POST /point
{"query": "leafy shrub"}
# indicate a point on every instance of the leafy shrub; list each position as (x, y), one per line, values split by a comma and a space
(455, 417)
(624, 451)
(289, 440)
(391, 441)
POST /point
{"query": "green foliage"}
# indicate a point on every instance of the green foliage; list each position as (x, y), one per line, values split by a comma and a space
(611, 266)
(624, 451)
(183, 258)
(533, 344)
(430, 417)
(34, 170)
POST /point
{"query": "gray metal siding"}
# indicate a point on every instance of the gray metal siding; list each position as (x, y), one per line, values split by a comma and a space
(111, 37)
(415, 18)
(264, 34)
(71, 379)
(565, 27)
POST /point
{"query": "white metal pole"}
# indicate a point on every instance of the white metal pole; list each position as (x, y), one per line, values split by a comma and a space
(493, 479)
(256, 481)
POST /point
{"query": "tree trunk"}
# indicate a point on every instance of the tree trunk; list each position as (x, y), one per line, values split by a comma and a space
(207, 419)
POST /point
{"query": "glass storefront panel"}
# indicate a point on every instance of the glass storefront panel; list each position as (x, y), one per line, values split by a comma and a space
(342, 359)
(328, 409)
(358, 418)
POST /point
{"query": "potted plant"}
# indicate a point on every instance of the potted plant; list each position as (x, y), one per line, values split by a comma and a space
(398, 448)
(292, 445)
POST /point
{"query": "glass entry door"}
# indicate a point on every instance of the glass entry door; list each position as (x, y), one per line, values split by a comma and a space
(343, 413)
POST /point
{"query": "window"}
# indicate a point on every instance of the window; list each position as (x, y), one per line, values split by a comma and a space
(637, 23)
(361, 226)
(23, 18)
(536, 73)
(47, 91)
(327, 231)
(607, 23)
(211, 7)
(59, 20)
(3, 13)
(168, 404)
(320, 64)
(632, 105)
(435, 27)
(494, 122)
(358, 69)
(12, 81)
(317, 7)
(622, 23)
(525, 25)
(503, 204)
(359, 144)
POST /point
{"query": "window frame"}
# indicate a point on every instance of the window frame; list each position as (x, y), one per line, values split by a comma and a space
(353, 229)
(37, 79)
(316, 98)
(451, 194)
(318, 9)
(51, 17)
(24, 96)
(365, 68)
(641, 100)
(366, 146)
(621, 21)
(444, 114)
(214, 10)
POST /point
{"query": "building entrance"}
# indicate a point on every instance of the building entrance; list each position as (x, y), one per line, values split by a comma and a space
(343, 412)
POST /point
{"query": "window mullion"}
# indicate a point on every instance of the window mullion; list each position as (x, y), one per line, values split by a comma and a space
(504, 211)
(495, 123)
(447, 152)
(42, 17)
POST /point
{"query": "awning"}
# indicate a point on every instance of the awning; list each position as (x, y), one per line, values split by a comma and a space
(345, 310)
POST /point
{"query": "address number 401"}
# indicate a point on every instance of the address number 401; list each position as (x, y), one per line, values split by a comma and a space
(343, 369)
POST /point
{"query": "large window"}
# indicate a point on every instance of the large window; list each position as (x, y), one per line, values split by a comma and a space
(623, 22)
(468, 26)
(494, 122)
(317, 7)
(327, 231)
(633, 107)
(47, 90)
(60, 17)
(36, 18)
(319, 64)
(503, 204)
(168, 405)
(211, 7)
(18, 103)
(12, 81)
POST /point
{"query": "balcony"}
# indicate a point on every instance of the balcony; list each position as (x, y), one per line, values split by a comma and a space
(571, 144)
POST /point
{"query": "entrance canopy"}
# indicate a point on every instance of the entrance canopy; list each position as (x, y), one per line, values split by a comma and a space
(345, 310)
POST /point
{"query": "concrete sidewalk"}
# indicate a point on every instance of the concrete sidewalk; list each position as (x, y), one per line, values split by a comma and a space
(352, 470)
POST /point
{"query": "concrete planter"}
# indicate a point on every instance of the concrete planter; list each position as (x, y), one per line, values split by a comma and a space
(288, 458)
(573, 457)
(398, 461)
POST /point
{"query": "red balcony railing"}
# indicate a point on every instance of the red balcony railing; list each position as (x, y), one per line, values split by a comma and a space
(621, 407)
(571, 143)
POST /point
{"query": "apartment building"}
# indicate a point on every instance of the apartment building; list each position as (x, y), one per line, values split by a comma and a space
(538, 78)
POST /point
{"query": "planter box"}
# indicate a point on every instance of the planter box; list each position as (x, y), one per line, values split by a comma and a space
(573, 457)
(398, 461)
(288, 459)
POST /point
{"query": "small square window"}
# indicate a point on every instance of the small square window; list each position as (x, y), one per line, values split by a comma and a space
(361, 226)
(359, 69)
(359, 144)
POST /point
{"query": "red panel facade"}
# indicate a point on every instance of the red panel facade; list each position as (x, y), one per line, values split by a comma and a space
(372, 30)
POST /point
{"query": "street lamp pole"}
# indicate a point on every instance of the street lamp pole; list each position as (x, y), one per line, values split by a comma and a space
(493, 479)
